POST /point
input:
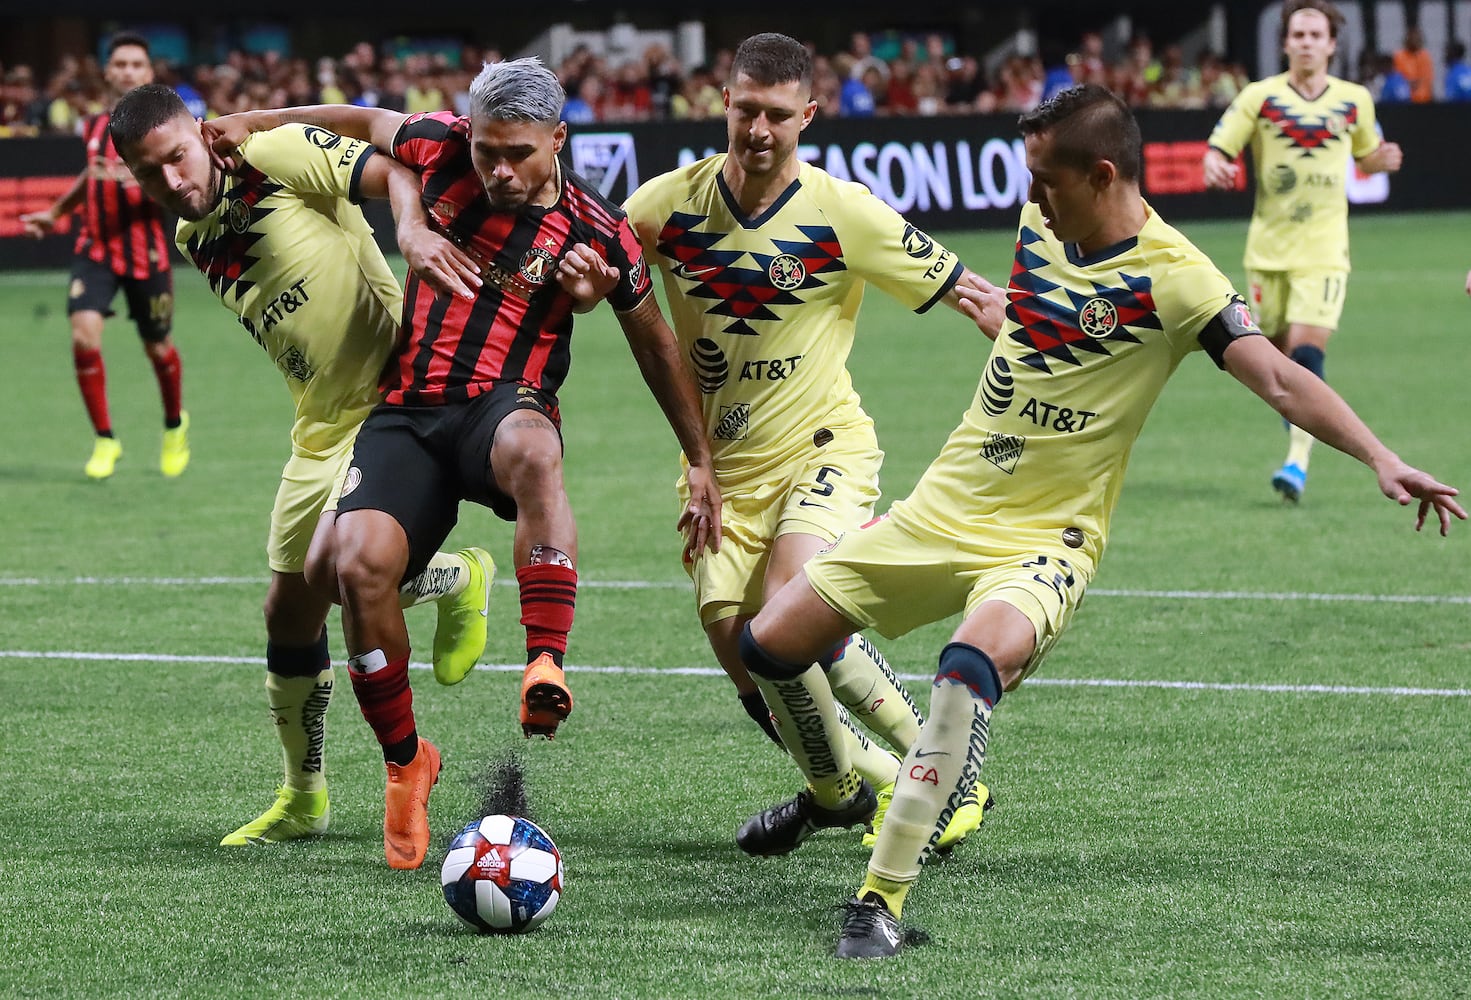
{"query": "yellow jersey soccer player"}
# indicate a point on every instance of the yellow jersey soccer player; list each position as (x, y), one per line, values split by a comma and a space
(1007, 525)
(1302, 126)
(285, 247)
(764, 261)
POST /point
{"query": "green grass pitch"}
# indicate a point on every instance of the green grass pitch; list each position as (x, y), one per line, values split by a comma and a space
(1242, 773)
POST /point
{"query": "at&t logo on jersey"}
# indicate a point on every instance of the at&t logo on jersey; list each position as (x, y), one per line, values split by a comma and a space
(997, 387)
(711, 366)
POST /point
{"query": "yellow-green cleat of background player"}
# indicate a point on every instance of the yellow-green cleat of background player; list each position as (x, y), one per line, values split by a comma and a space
(174, 458)
(967, 819)
(293, 815)
(105, 454)
(459, 638)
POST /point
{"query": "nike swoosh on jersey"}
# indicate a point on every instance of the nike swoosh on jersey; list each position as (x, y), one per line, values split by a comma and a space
(695, 274)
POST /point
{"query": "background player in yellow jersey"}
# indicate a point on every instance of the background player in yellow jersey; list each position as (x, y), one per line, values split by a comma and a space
(764, 261)
(283, 243)
(1301, 127)
(1008, 523)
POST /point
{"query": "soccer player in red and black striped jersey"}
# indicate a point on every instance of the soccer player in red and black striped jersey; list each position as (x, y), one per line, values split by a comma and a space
(120, 245)
(470, 408)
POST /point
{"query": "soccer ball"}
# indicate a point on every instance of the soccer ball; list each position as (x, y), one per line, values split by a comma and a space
(502, 875)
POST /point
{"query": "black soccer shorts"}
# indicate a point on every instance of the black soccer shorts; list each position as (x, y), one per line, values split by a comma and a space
(416, 463)
(150, 300)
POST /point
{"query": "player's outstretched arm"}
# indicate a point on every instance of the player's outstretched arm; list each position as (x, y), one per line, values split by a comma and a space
(1220, 171)
(980, 301)
(1308, 402)
(375, 125)
(38, 224)
(440, 264)
(664, 371)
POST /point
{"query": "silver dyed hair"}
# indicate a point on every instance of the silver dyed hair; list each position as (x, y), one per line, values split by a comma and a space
(518, 90)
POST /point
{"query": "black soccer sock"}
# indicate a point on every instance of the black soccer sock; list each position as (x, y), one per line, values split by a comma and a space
(755, 707)
(1310, 357)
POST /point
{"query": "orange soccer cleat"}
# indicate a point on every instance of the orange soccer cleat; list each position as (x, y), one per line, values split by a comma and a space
(406, 808)
(545, 699)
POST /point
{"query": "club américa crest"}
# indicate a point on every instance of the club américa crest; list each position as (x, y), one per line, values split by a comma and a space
(786, 272)
(1098, 318)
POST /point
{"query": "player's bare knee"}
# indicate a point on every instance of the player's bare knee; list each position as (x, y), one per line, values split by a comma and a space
(86, 338)
(370, 558)
(530, 472)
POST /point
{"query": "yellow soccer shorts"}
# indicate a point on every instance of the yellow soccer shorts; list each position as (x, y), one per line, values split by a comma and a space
(1310, 297)
(832, 490)
(895, 576)
(310, 485)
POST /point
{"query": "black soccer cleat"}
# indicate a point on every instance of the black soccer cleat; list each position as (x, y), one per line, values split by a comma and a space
(783, 827)
(869, 929)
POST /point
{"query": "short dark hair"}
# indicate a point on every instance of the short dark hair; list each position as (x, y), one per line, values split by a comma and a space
(141, 110)
(771, 58)
(1089, 123)
(125, 38)
(1335, 19)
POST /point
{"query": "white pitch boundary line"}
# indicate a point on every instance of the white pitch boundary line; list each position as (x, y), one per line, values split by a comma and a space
(506, 668)
(1176, 595)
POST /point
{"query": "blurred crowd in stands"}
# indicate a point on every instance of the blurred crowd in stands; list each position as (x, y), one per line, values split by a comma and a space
(924, 77)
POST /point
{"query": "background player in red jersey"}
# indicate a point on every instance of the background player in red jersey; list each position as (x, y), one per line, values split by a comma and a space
(470, 408)
(120, 245)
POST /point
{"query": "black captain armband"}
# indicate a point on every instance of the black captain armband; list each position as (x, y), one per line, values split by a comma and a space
(1230, 324)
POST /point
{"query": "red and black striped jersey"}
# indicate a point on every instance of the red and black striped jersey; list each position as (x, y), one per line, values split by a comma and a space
(518, 328)
(121, 228)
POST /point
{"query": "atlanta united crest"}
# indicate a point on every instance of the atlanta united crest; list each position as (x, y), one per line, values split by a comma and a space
(1098, 318)
(536, 265)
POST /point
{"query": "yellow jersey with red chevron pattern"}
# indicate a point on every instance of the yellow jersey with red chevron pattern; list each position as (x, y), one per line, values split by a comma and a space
(765, 308)
(288, 251)
(1087, 345)
(1301, 148)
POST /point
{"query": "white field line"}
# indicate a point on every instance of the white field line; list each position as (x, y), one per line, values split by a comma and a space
(1334, 689)
(1170, 595)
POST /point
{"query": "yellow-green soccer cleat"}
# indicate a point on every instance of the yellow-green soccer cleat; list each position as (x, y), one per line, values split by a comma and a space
(105, 454)
(174, 458)
(885, 796)
(292, 816)
(459, 638)
(967, 819)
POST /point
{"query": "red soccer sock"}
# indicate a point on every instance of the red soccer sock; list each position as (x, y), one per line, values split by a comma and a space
(170, 372)
(383, 693)
(548, 602)
(92, 380)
